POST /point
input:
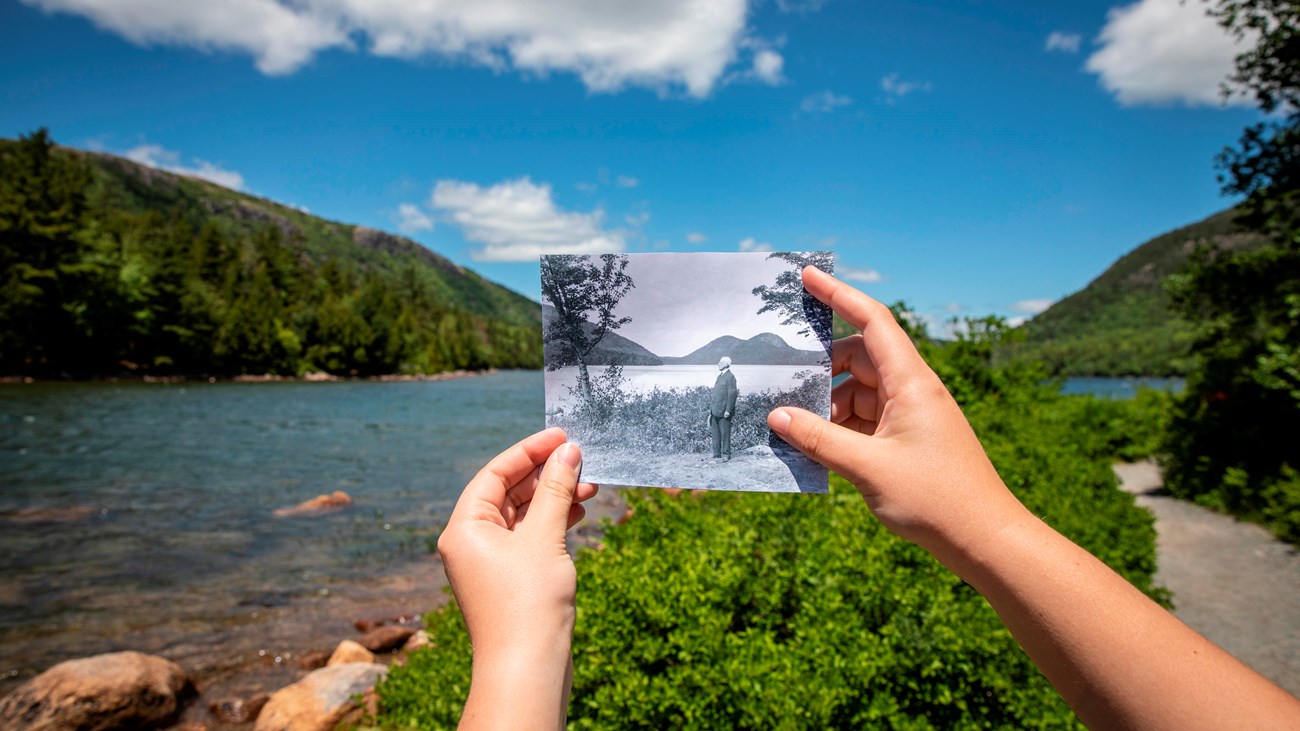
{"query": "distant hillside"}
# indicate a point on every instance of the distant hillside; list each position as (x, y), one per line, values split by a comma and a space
(762, 349)
(613, 348)
(1120, 324)
(115, 268)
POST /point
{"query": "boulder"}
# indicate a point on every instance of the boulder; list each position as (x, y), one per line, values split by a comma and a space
(238, 710)
(384, 639)
(116, 690)
(320, 700)
(349, 651)
(417, 641)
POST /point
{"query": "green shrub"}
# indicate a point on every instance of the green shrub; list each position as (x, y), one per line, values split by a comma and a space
(731, 610)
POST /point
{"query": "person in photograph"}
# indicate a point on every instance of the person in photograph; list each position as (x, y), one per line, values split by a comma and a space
(722, 407)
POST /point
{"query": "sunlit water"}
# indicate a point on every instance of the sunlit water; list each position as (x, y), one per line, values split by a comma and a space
(1119, 388)
(158, 500)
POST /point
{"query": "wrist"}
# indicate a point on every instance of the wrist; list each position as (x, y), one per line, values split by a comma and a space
(522, 689)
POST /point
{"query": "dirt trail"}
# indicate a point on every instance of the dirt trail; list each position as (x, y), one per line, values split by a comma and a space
(1232, 581)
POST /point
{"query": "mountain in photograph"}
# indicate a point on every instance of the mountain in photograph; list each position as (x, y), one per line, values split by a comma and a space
(1121, 323)
(762, 349)
(613, 349)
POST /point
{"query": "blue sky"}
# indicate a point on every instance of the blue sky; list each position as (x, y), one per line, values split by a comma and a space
(969, 157)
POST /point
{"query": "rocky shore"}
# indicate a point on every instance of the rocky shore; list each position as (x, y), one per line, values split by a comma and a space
(318, 377)
(314, 686)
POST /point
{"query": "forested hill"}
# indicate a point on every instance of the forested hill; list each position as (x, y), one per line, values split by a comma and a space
(1121, 323)
(110, 267)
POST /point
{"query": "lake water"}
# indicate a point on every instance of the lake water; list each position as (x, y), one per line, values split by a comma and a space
(1121, 388)
(158, 531)
(643, 379)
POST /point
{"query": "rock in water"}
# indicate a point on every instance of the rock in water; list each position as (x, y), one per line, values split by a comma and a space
(320, 700)
(238, 710)
(317, 505)
(383, 639)
(117, 690)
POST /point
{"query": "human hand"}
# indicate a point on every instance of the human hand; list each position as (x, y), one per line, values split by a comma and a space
(504, 553)
(897, 434)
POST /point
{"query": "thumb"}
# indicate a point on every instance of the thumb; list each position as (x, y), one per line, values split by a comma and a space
(549, 508)
(839, 448)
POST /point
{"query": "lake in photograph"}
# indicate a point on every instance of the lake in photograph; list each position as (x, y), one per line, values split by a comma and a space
(644, 379)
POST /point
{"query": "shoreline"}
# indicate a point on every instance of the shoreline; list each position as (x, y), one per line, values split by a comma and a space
(315, 377)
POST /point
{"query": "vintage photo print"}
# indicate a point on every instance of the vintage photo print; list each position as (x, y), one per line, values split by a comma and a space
(664, 367)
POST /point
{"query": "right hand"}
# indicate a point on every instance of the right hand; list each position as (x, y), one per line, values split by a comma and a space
(897, 434)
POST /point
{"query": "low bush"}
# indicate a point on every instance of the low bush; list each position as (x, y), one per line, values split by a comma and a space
(732, 610)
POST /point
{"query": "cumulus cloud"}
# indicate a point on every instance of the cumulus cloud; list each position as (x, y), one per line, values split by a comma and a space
(695, 237)
(824, 101)
(1064, 42)
(894, 87)
(157, 156)
(1163, 51)
(858, 274)
(669, 44)
(412, 220)
(517, 220)
(626, 181)
(1032, 307)
(752, 244)
(768, 65)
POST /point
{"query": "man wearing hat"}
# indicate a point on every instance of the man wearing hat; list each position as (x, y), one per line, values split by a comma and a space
(722, 407)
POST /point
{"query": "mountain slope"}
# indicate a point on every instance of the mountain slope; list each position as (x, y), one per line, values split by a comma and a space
(123, 185)
(613, 348)
(112, 268)
(1121, 324)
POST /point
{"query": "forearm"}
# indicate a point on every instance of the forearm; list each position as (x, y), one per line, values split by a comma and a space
(519, 693)
(1115, 656)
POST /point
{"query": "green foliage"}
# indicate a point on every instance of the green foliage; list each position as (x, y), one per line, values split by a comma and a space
(111, 267)
(740, 610)
(1125, 430)
(1231, 441)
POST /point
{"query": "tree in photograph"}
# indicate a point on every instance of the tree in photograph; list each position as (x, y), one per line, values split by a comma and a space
(1231, 441)
(584, 294)
(788, 298)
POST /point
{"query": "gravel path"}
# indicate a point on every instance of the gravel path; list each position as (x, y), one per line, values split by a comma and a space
(1232, 581)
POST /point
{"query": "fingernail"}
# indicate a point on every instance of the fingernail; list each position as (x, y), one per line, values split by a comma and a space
(779, 420)
(570, 455)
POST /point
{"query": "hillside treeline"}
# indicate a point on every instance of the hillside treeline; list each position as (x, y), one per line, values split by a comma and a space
(93, 287)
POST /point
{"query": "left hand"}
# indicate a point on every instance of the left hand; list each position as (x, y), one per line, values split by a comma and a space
(504, 553)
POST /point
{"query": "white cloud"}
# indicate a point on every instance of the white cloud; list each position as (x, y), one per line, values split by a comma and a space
(411, 220)
(751, 244)
(824, 101)
(157, 156)
(1017, 321)
(637, 220)
(1033, 307)
(281, 37)
(1162, 51)
(668, 44)
(1065, 42)
(895, 87)
(517, 220)
(586, 187)
(953, 308)
(768, 65)
(695, 237)
(858, 274)
(626, 181)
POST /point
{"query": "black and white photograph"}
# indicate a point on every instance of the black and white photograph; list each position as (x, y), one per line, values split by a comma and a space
(664, 367)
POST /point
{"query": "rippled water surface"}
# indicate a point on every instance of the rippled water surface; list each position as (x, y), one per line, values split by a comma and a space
(140, 515)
